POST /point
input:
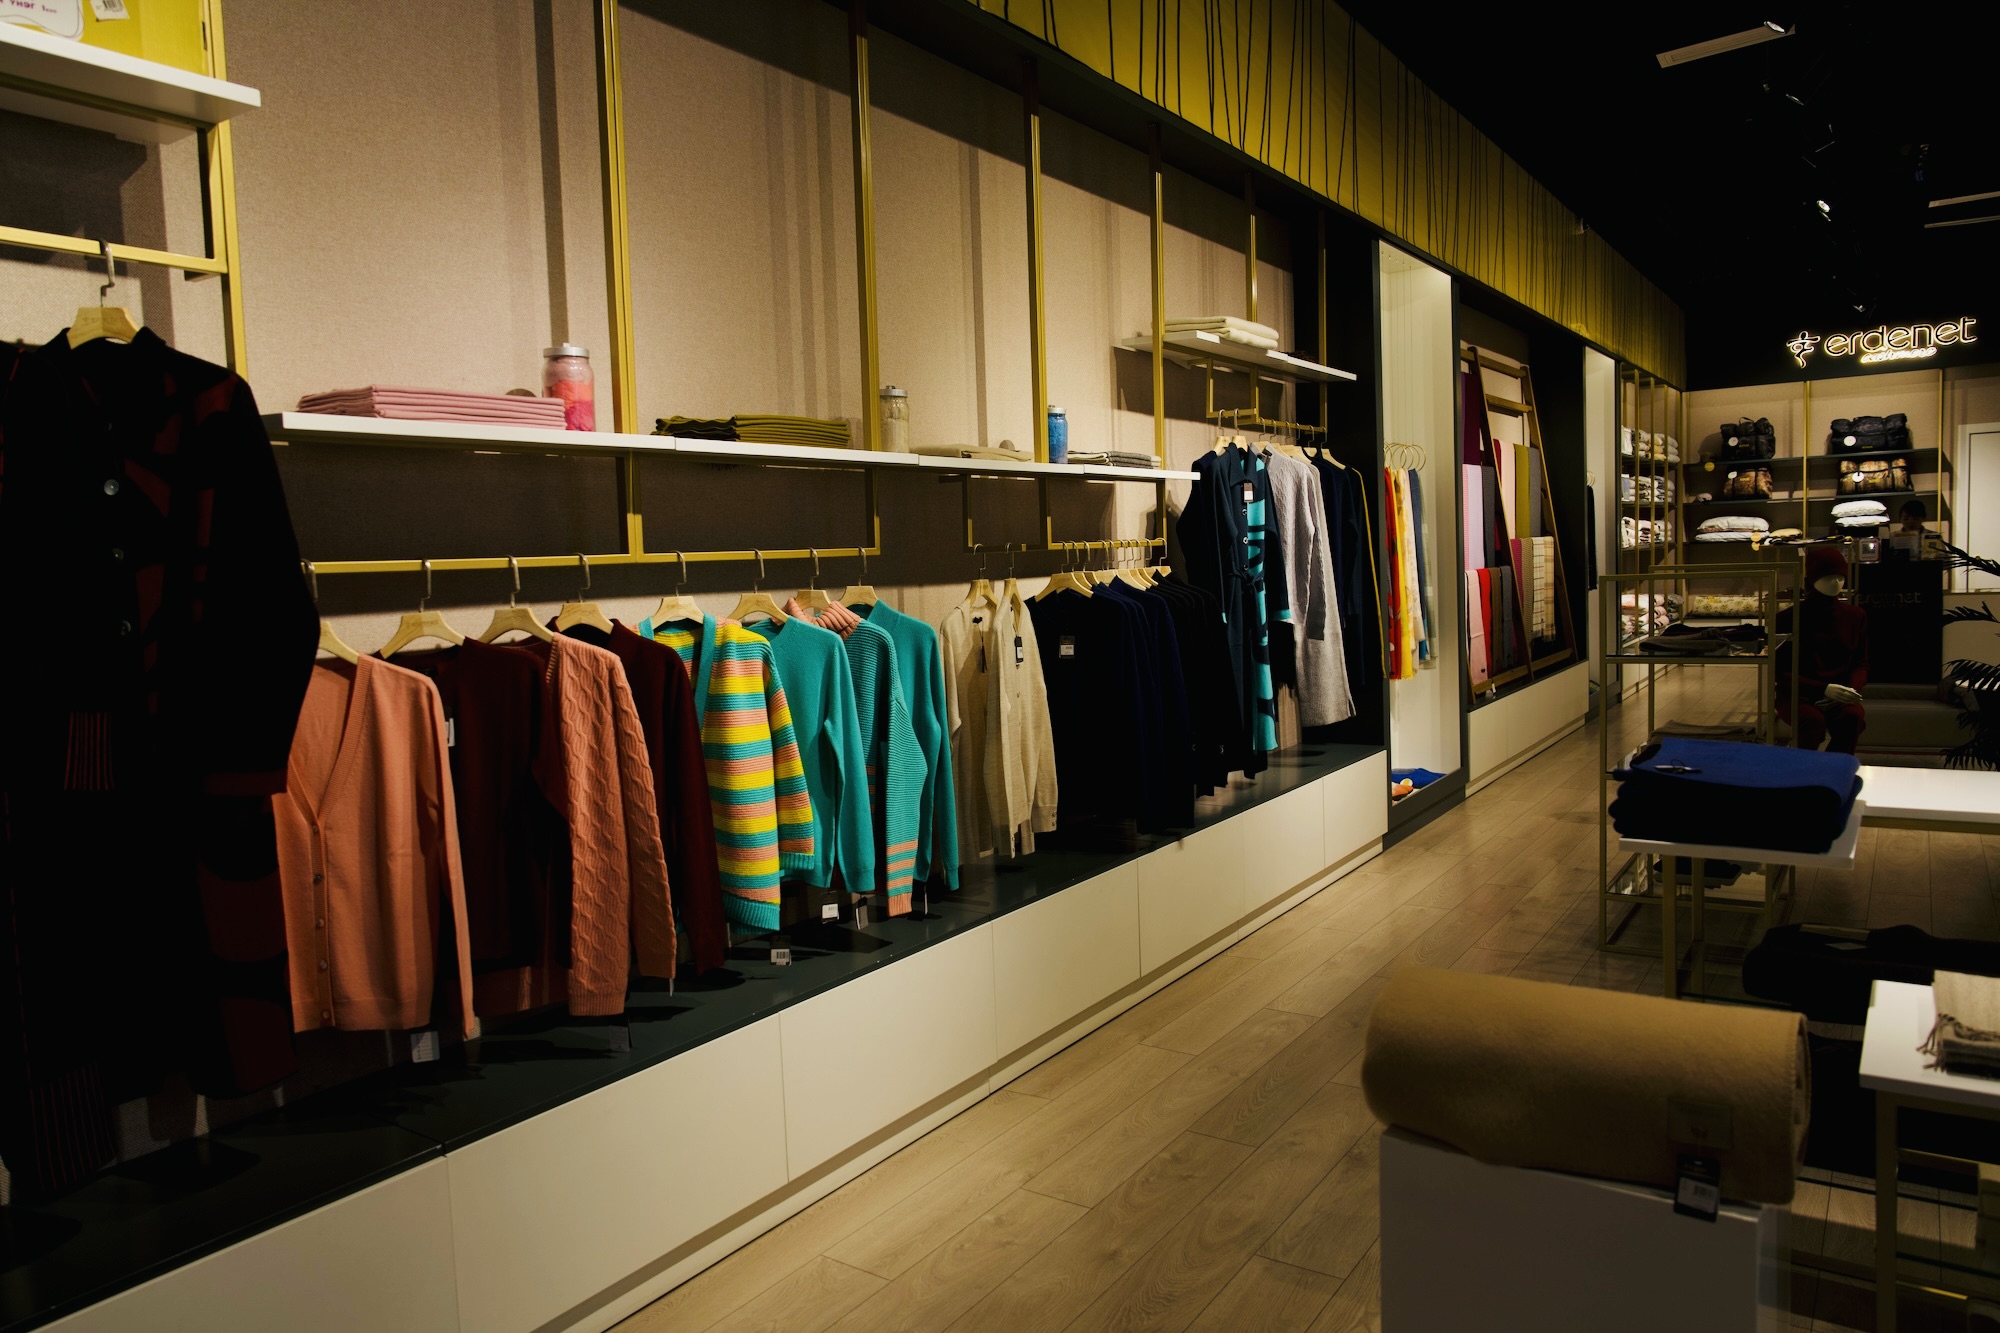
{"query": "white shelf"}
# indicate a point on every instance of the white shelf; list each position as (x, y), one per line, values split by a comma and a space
(323, 428)
(1206, 349)
(326, 428)
(149, 87)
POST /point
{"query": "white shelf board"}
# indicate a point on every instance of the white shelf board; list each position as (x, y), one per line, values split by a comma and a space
(1000, 467)
(750, 451)
(91, 71)
(327, 428)
(1195, 349)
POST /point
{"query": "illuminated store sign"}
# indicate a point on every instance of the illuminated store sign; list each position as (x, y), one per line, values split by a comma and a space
(1907, 342)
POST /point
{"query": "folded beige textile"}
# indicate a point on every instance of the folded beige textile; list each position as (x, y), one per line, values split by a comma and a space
(1221, 323)
(980, 451)
(1966, 1037)
(1594, 1083)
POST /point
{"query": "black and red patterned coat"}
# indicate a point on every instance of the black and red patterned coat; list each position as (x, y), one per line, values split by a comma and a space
(159, 638)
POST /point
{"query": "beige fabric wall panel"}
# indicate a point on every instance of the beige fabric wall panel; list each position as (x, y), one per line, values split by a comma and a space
(951, 248)
(77, 182)
(738, 138)
(395, 220)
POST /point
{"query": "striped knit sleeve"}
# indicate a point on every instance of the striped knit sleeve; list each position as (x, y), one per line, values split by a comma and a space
(788, 777)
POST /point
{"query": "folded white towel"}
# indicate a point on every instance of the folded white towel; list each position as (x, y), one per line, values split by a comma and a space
(1224, 323)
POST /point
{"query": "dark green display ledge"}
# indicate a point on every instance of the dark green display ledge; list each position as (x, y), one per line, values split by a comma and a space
(174, 1206)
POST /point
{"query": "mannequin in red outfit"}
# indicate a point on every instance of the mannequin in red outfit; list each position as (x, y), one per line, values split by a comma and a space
(1833, 636)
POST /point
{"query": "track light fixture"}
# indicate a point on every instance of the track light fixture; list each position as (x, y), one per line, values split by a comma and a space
(1768, 31)
(1825, 209)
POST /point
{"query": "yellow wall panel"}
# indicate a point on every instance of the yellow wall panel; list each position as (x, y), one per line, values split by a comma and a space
(1300, 87)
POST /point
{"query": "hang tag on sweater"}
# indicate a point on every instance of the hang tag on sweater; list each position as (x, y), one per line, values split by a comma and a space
(1249, 492)
(1066, 646)
(781, 957)
(829, 911)
(620, 1037)
(1020, 651)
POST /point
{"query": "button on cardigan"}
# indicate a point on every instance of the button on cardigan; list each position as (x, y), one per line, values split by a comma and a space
(756, 779)
(368, 853)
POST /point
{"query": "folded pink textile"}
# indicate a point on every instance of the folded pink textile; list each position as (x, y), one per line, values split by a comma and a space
(436, 404)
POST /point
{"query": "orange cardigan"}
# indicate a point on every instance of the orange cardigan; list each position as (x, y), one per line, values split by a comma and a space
(368, 852)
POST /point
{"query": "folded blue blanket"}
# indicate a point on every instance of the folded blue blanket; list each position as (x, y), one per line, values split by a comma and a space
(1729, 794)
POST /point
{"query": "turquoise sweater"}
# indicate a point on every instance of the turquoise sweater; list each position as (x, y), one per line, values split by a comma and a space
(895, 762)
(819, 686)
(921, 667)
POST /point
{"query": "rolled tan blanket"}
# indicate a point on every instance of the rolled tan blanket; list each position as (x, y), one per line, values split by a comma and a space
(1594, 1083)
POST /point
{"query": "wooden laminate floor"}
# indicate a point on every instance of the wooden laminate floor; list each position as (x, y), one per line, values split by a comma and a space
(1206, 1159)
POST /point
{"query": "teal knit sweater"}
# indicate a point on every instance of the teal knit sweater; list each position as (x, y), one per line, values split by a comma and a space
(895, 762)
(920, 666)
(819, 686)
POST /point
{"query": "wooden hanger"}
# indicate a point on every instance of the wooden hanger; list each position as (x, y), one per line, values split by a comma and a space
(1011, 590)
(514, 616)
(1066, 578)
(862, 593)
(813, 597)
(678, 606)
(757, 602)
(582, 611)
(329, 642)
(105, 321)
(982, 589)
(422, 623)
(1132, 575)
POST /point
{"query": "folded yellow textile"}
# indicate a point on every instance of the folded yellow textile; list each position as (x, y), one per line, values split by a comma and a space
(1966, 1037)
(1594, 1083)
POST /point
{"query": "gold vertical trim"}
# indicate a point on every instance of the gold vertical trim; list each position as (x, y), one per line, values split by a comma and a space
(1250, 279)
(617, 233)
(1031, 110)
(1158, 169)
(219, 160)
(864, 227)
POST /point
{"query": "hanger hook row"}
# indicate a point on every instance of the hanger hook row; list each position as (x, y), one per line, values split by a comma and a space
(425, 601)
(514, 569)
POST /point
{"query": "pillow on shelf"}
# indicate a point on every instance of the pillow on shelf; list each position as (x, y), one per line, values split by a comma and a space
(1862, 521)
(1729, 535)
(1735, 523)
(1851, 508)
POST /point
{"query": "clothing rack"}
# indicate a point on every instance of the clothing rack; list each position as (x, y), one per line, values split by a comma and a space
(1250, 416)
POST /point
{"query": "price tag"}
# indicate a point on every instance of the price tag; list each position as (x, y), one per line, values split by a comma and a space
(861, 916)
(1249, 492)
(425, 1046)
(829, 911)
(1698, 1189)
(1020, 651)
(1066, 646)
(781, 957)
(619, 1037)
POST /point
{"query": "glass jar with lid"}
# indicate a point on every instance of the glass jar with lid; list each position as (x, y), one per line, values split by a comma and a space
(895, 420)
(566, 374)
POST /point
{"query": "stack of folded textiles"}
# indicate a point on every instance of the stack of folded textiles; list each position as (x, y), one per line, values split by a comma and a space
(1732, 528)
(1229, 329)
(759, 428)
(487, 409)
(1730, 794)
(1860, 514)
(1114, 458)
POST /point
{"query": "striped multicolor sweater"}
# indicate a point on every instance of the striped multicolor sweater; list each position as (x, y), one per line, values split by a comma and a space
(756, 780)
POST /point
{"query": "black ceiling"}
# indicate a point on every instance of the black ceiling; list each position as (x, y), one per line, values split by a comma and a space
(1707, 175)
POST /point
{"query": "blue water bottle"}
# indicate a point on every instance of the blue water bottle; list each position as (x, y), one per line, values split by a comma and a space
(1058, 436)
